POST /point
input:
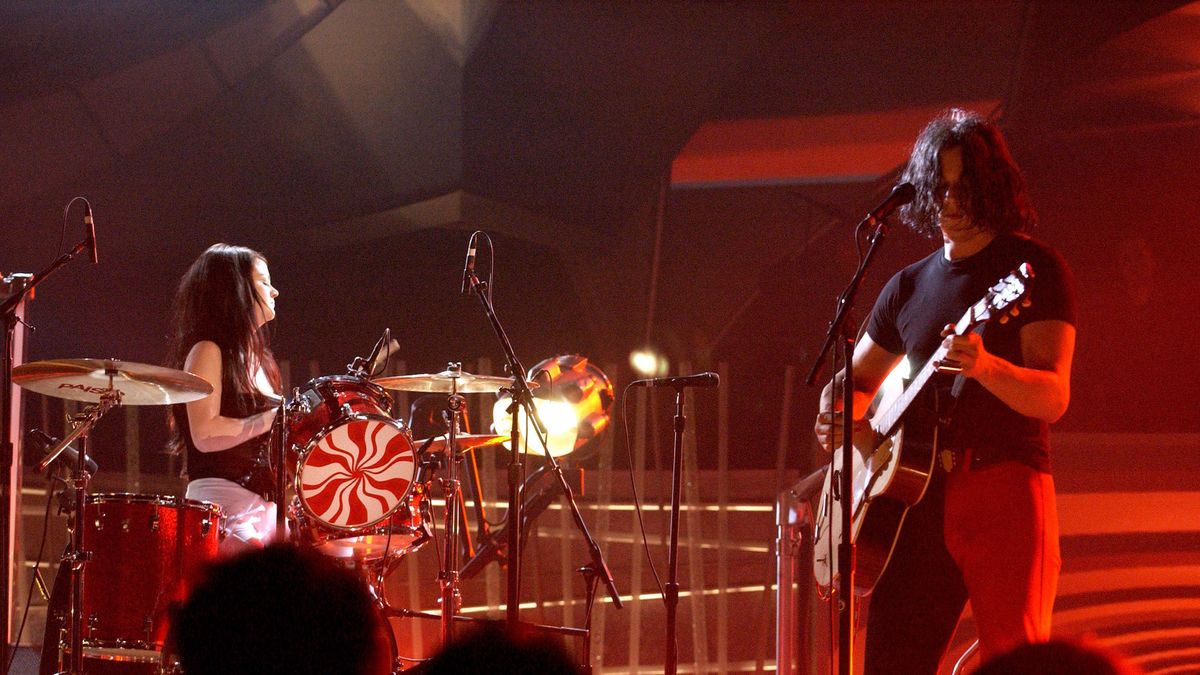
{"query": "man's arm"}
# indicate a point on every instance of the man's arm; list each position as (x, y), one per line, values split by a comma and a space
(872, 364)
(1042, 387)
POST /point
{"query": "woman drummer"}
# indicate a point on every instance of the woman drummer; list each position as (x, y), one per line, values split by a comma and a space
(221, 309)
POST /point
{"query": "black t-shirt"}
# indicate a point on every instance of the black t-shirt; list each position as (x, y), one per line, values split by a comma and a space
(921, 299)
(247, 463)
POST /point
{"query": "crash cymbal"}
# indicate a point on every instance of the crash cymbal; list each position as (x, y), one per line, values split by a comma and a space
(447, 381)
(86, 379)
(463, 441)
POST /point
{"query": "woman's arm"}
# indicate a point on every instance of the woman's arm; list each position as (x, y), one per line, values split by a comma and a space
(212, 431)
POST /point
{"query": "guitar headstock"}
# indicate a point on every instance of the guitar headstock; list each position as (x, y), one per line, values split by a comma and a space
(1006, 298)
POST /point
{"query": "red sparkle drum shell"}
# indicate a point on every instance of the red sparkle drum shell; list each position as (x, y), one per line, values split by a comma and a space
(354, 464)
(147, 552)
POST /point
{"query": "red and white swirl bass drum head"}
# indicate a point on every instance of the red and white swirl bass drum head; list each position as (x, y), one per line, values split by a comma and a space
(357, 473)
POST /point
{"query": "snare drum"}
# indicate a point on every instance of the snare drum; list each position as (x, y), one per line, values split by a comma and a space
(147, 551)
(354, 465)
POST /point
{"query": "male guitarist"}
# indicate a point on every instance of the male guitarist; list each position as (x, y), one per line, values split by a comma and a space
(986, 529)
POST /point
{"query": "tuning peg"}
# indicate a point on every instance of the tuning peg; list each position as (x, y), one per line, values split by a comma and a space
(1003, 318)
(1026, 302)
(1014, 310)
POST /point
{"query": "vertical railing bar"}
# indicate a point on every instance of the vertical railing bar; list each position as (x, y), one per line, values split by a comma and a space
(636, 565)
(723, 518)
(600, 529)
(767, 608)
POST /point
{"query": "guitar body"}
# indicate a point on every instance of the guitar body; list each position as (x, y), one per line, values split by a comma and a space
(887, 481)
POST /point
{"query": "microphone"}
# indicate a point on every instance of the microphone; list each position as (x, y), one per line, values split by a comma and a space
(89, 232)
(387, 332)
(698, 380)
(468, 266)
(899, 196)
(47, 441)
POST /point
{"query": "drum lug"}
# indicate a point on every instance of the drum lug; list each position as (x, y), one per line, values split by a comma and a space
(154, 522)
(124, 524)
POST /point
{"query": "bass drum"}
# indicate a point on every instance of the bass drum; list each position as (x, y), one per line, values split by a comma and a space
(355, 466)
(404, 532)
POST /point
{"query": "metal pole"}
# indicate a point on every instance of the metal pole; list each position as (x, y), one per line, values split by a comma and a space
(671, 590)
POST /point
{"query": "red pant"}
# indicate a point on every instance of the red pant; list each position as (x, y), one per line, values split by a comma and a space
(990, 535)
(1001, 529)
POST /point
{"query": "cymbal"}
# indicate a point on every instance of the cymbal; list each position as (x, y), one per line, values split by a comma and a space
(463, 441)
(86, 379)
(447, 381)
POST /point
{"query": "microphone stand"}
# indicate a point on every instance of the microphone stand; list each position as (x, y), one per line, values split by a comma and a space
(8, 315)
(843, 476)
(522, 397)
(671, 589)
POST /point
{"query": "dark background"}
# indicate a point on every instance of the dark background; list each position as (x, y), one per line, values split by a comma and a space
(357, 144)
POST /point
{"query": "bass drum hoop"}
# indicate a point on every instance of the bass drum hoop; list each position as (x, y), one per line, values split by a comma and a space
(334, 425)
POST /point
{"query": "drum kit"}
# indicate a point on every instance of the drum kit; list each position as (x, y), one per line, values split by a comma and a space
(361, 491)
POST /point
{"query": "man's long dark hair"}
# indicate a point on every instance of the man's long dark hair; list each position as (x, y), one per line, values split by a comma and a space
(993, 190)
(216, 301)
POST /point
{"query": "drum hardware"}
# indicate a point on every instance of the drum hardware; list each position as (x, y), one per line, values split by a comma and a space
(522, 399)
(365, 368)
(437, 445)
(105, 384)
(448, 576)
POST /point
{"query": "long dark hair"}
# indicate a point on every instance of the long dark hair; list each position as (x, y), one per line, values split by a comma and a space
(216, 301)
(993, 190)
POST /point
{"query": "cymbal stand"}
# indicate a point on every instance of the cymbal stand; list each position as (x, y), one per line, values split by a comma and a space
(448, 577)
(522, 397)
(77, 555)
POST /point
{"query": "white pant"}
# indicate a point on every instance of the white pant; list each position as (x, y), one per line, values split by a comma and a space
(249, 519)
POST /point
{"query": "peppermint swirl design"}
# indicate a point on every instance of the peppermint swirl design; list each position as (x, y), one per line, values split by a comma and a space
(357, 474)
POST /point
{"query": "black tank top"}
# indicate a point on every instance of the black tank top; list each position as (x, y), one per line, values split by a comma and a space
(247, 463)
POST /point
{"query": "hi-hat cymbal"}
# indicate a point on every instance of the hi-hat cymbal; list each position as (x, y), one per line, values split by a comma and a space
(463, 441)
(447, 381)
(87, 379)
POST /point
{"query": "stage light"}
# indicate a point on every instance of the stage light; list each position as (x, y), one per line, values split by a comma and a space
(572, 398)
(647, 362)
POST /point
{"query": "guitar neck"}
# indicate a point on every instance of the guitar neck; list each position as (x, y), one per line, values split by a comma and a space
(885, 421)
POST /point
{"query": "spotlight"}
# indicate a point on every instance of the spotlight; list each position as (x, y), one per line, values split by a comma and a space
(573, 399)
(647, 362)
